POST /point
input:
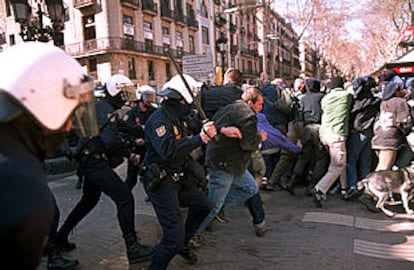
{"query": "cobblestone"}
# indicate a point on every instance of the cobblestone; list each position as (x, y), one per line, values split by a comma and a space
(340, 235)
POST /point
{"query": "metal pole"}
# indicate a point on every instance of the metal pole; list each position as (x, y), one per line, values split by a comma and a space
(222, 67)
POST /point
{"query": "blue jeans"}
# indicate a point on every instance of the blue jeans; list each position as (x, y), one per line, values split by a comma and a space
(230, 189)
(359, 153)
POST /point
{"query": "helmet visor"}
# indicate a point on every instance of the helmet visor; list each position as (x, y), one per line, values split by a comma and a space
(85, 122)
(128, 93)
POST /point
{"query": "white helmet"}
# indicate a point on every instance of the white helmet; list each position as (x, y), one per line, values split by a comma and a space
(119, 83)
(176, 83)
(146, 92)
(48, 84)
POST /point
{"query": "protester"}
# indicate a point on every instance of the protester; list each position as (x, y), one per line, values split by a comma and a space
(364, 111)
(227, 159)
(333, 133)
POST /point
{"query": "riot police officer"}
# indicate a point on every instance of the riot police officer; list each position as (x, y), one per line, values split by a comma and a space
(98, 157)
(40, 88)
(133, 122)
(168, 147)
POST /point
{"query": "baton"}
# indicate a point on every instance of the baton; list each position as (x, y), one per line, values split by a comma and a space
(180, 72)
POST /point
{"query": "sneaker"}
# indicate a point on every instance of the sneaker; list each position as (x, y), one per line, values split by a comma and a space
(187, 253)
(263, 185)
(367, 200)
(317, 197)
(220, 217)
(197, 241)
(352, 192)
(260, 229)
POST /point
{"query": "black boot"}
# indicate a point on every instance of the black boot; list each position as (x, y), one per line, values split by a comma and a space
(135, 251)
(187, 253)
(55, 261)
(62, 238)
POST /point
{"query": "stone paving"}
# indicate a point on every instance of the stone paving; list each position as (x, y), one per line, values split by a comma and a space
(340, 235)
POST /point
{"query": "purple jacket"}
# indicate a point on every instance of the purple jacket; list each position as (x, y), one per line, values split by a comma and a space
(275, 139)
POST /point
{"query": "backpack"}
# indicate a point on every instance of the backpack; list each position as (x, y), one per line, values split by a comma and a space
(284, 102)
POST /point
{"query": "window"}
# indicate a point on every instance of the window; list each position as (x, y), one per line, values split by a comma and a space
(12, 40)
(205, 36)
(131, 68)
(179, 39)
(128, 24)
(191, 44)
(203, 10)
(127, 19)
(151, 70)
(92, 65)
(148, 26)
(165, 31)
(89, 31)
(148, 45)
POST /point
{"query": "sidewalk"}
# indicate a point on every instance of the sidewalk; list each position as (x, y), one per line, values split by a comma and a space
(340, 235)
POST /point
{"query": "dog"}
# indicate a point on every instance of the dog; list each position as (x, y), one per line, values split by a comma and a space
(382, 184)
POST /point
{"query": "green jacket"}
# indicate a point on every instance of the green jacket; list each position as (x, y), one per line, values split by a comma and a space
(335, 112)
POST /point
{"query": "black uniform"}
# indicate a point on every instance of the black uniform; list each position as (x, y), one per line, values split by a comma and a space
(24, 200)
(132, 128)
(168, 147)
(99, 156)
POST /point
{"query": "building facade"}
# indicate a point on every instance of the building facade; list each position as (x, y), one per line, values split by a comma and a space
(138, 38)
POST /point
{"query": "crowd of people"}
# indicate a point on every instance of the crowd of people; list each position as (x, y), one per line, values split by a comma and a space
(193, 146)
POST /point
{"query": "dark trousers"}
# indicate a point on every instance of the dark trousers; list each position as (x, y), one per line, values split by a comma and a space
(132, 175)
(99, 177)
(167, 198)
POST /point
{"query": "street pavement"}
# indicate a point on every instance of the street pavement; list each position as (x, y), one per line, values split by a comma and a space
(340, 235)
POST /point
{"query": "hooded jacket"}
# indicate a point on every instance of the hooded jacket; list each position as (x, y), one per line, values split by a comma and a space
(311, 102)
(365, 106)
(274, 116)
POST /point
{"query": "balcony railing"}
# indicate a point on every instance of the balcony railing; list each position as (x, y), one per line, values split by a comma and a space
(149, 5)
(234, 49)
(233, 28)
(109, 44)
(192, 22)
(167, 12)
(83, 3)
(131, 3)
(179, 17)
(219, 21)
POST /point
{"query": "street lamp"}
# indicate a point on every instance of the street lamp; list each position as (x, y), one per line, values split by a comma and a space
(221, 43)
(32, 28)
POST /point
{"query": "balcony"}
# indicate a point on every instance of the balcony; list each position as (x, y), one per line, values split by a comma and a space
(234, 49)
(167, 13)
(79, 4)
(102, 45)
(233, 28)
(219, 21)
(192, 22)
(179, 17)
(149, 7)
(217, 2)
(242, 30)
(134, 4)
